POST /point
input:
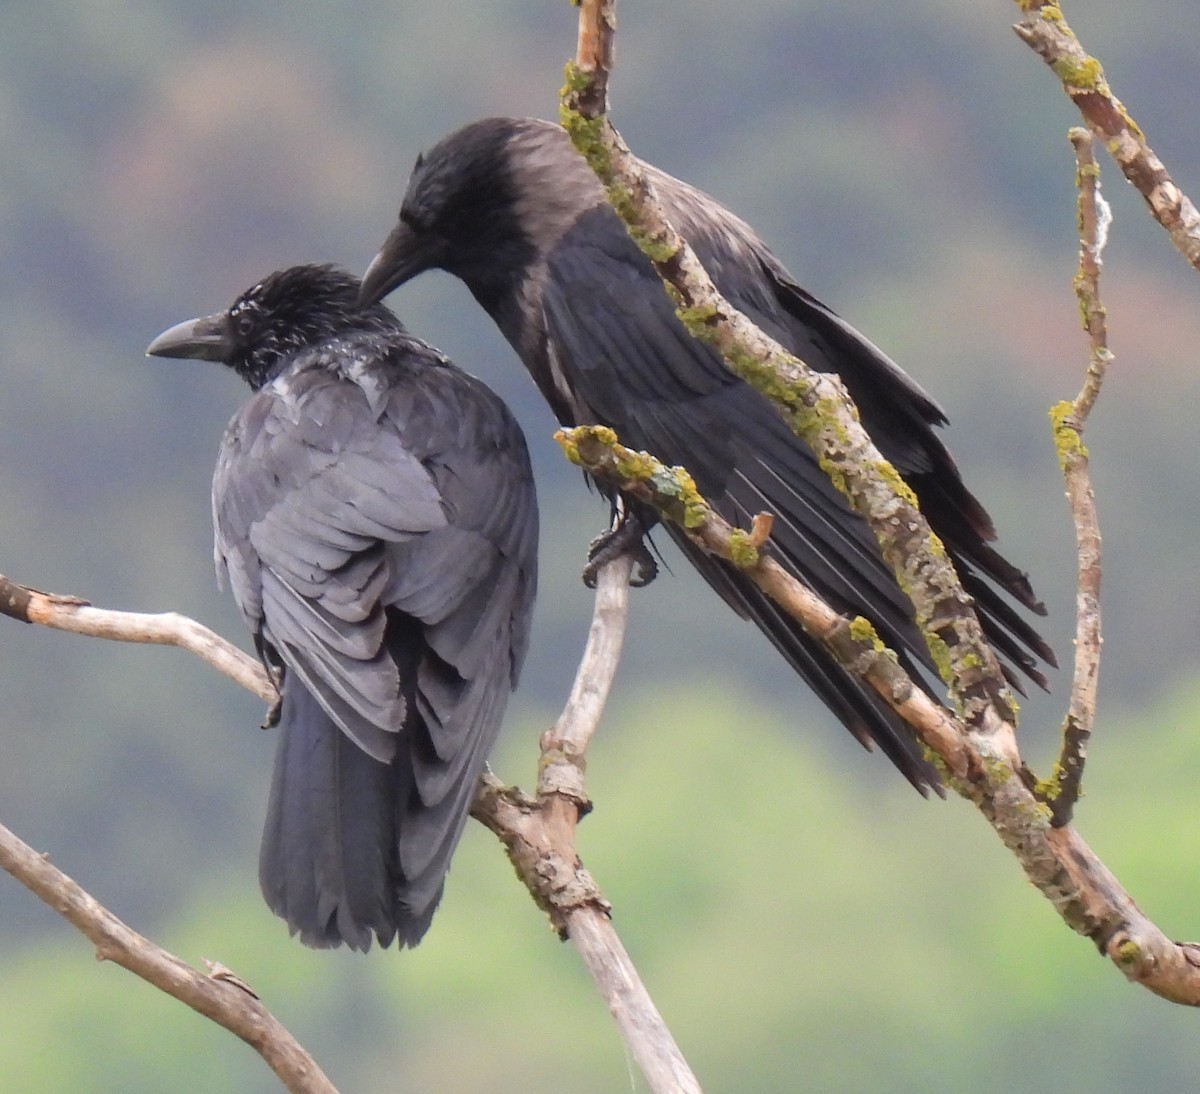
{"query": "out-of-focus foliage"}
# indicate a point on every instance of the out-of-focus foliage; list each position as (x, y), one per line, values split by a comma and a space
(796, 932)
(802, 917)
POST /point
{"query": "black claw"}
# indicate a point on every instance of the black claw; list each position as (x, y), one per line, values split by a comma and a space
(273, 713)
(627, 538)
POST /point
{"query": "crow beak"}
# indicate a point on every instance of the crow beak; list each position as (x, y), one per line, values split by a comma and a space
(404, 255)
(206, 338)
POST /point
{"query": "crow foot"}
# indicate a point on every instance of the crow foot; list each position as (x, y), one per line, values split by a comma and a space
(627, 538)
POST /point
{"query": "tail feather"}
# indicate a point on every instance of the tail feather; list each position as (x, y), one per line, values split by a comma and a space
(329, 844)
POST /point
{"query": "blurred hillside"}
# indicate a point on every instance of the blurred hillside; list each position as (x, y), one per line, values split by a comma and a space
(908, 162)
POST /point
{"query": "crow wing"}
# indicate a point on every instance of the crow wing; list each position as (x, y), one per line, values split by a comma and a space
(386, 554)
(613, 332)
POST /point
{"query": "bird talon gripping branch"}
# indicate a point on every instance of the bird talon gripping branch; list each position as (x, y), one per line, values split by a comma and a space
(627, 538)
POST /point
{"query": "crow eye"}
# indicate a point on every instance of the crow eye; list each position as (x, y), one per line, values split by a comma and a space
(243, 322)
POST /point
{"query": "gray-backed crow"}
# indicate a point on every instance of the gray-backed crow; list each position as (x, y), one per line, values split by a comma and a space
(376, 519)
(508, 206)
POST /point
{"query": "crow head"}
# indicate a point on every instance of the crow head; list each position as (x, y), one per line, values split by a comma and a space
(485, 204)
(284, 313)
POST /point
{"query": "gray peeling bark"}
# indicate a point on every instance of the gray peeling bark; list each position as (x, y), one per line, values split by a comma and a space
(1055, 858)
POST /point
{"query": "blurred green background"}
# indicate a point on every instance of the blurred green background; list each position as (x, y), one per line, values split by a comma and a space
(804, 920)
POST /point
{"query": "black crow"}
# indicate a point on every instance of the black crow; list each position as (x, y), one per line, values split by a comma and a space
(376, 519)
(510, 207)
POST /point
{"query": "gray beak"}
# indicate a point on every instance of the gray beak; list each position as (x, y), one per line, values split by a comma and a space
(404, 255)
(206, 339)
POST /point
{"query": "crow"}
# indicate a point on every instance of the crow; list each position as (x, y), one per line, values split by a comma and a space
(508, 206)
(376, 519)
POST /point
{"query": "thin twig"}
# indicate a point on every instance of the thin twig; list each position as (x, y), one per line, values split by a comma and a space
(219, 996)
(70, 613)
(540, 838)
(563, 747)
(1044, 29)
(1063, 789)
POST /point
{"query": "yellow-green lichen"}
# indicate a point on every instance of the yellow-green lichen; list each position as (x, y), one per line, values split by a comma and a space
(672, 488)
(1037, 812)
(587, 134)
(940, 653)
(1129, 952)
(758, 374)
(697, 318)
(888, 474)
(999, 771)
(567, 443)
(960, 786)
(742, 551)
(863, 630)
(1050, 788)
(588, 137)
(695, 508)
(1082, 75)
(1068, 442)
(569, 440)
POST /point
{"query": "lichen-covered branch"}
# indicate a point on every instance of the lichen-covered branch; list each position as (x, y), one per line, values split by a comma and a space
(814, 404)
(1055, 859)
(1044, 29)
(854, 642)
(1062, 790)
(218, 995)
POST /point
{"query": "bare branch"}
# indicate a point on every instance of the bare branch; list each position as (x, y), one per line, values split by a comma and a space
(1044, 29)
(539, 836)
(69, 613)
(1063, 788)
(219, 996)
(563, 747)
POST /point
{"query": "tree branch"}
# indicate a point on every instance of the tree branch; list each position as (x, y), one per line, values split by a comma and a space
(815, 405)
(539, 835)
(218, 996)
(1044, 29)
(1054, 858)
(70, 613)
(854, 642)
(1063, 788)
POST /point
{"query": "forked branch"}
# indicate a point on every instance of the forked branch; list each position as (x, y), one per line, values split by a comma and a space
(1053, 856)
(1044, 29)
